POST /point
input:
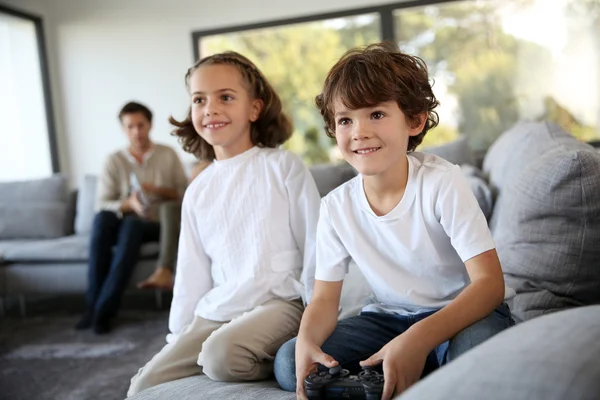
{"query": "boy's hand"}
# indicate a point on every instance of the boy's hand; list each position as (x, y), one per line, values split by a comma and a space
(403, 362)
(308, 357)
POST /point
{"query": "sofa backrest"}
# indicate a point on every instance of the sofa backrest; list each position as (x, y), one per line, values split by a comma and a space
(546, 220)
(36, 209)
(458, 151)
(86, 198)
(327, 177)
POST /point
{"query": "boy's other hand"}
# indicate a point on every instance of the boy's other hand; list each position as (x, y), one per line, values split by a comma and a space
(403, 362)
(308, 357)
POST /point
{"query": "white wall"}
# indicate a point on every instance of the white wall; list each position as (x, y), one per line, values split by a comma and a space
(105, 53)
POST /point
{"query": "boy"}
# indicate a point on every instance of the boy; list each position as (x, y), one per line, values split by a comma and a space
(411, 224)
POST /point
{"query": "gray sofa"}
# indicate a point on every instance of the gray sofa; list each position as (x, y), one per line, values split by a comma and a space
(44, 239)
(45, 232)
(546, 223)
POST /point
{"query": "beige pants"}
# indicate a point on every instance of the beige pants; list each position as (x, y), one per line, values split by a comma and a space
(240, 350)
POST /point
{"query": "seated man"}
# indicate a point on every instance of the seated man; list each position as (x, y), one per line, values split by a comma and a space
(170, 224)
(138, 185)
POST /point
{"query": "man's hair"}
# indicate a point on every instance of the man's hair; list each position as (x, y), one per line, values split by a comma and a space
(132, 108)
(367, 76)
(272, 127)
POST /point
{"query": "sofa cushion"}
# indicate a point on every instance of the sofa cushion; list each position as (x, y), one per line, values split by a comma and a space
(52, 189)
(74, 248)
(457, 152)
(546, 219)
(355, 292)
(86, 199)
(329, 176)
(34, 220)
(59, 278)
(517, 148)
(549, 241)
(35, 209)
(203, 388)
(480, 188)
(554, 357)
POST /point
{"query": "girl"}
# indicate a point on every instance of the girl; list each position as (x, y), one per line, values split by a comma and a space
(248, 227)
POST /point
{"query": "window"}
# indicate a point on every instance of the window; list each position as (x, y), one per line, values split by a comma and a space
(27, 149)
(493, 62)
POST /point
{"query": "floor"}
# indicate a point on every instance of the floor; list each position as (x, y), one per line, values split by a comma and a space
(42, 357)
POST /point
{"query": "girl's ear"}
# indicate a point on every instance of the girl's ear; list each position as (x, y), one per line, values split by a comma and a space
(257, 106)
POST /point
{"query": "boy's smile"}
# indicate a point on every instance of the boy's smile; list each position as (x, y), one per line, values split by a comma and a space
(366, 151)
(373, 139)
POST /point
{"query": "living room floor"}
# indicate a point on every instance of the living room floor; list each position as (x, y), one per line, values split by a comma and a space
(42, 357)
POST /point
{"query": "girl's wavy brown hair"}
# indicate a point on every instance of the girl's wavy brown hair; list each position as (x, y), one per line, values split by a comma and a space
(271, 129)
(365, 77)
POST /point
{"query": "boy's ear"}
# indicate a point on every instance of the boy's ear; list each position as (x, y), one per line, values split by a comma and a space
(257, 106)
(418, 124)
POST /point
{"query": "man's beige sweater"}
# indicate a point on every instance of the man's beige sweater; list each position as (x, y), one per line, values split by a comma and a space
(161, 167)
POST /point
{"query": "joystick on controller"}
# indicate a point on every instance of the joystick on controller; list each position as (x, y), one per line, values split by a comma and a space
(337, 383)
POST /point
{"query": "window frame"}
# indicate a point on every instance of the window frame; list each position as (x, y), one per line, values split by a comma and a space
(45, 75)
(386, 17)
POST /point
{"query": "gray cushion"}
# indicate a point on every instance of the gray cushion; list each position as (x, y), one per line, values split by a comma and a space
(521, 145)
(517, 148)
(549, 241)
(86, 199)
(355, 292)
(554, 357)
(58, 277)
(480, 188)
(546, 217)
(329, 176)
(52, 189)
(67, 248)
(35, 209)
(457, 152)
(202, 388)
(34, 220)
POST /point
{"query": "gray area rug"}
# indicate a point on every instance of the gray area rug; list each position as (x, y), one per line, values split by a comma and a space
(42, 357)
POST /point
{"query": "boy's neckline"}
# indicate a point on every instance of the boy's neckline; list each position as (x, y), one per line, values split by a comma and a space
(235, 159)
(404, 203)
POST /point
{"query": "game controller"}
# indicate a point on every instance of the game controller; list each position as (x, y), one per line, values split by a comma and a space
(337, 383)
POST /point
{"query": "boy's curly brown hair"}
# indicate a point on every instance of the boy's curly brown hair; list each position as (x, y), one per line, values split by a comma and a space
(365, 77)
(271, 129)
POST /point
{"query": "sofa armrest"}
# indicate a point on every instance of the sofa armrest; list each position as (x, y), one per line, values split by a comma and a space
(553, 357)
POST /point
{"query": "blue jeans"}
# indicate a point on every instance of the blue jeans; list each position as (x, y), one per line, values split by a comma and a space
(109, 272)
(357, 338)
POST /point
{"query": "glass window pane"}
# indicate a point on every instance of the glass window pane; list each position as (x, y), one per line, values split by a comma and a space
(296, 58)
(495, 62)
(24, 143)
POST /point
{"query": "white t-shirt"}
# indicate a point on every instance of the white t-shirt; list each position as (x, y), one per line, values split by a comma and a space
(247, 234)
(413, 257)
